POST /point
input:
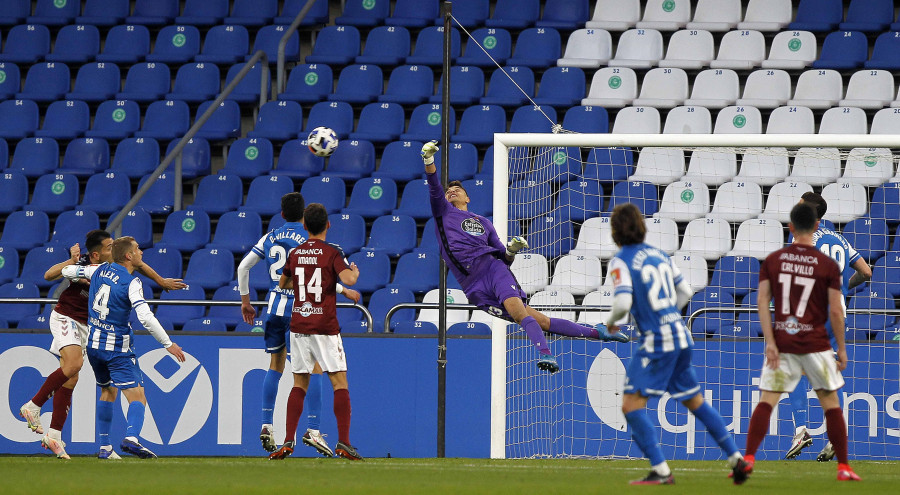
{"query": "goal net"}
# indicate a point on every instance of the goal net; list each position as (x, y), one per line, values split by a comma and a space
(718, 204)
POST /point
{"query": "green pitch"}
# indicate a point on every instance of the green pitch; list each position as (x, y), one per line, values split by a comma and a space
(47, 475)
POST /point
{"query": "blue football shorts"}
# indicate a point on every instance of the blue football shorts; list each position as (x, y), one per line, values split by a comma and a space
(275, 331)
(119, 369)
(658, 373)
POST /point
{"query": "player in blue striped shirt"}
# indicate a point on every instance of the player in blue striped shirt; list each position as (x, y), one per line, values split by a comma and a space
(651, 287)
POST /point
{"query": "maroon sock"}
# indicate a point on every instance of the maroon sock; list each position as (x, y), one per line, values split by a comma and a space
(294, 411)
(62, 399)
(342, 414)
(759, 426)
(837, 432)
(51, 385)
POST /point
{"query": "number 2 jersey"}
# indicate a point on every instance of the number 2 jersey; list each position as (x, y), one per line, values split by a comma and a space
(649, 275)
(314, 267)
(274, 248)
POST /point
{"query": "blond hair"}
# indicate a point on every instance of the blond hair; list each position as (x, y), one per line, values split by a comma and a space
(122, 247)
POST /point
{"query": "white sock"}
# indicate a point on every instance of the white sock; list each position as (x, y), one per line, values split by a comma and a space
(799, 429)
(54, 434)
(662, 469)
(133, 439)
(734, 458)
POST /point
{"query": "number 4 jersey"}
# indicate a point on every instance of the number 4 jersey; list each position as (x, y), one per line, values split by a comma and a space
(314, 267)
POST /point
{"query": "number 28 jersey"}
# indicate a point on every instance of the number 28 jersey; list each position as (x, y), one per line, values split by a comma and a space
(314, 267)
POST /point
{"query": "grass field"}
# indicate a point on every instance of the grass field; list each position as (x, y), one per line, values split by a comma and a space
(47, 475)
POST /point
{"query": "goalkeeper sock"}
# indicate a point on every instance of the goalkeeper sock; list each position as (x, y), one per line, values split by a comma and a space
(715, 425)
(269, 391)
(313, 401)
(570, 329)
(759, 426)
(837, 432)
(645, 436)
(104, 421)
(135, 418)
(294, 411)
(536, 334)
(799, 404)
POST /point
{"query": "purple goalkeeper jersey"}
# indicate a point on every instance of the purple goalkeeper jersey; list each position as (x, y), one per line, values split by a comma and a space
(464, 237)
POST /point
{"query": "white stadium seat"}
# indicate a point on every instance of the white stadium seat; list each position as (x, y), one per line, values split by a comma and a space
(782, 197)
(818, 89)
(663, 88)
(612, 88)
(714, 88)
(689, 49)
(684, 201)
(792, 50)
(637, 120)
(766, 88)
(707, 238)
(869, 89)
(711, 167)
(532, 271)
(758, 238)
(454, 296)
(665, 16)
(595, 239)
(659, 166)
(688, 120)
(846, 201)
(740, 50)
(693, 269)
(886, 121)
(662, 233)
(615, 15)
(767, 15)
(587, 48)
(765, 166)
(869, 166)
(791, 120)
(639, 49)
(844, 120)
(554, 298)
(716, 15)
(816, 166)
(738, 119)
(602, 297)
(737, 201)
(577, 274)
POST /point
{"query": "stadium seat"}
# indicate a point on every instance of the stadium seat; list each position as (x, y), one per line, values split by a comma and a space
(363, 13)
(35, 157)
(136, 157)
(587, 49)
(195, 158)
(415, 194)
(709, 238)
(582, 199)
(336, 115)
(869, 166)
(601, 297)
(586, 119)
(278, 121)
(247, 90)
(740, 50)
(767, 15)
(870, 90)
(766, 89)
(372, 197)
(816, 166)
(716, 15)
(693, 268)
(464, 161)
(791, 50)
(713, 322)
(9, 82)
(195, 83)
(210, 268)
(179, 314)
(252, 12)
(818, 16)
(125, 44)
(217, 194)
(176, 45)
(223, 124)
(551, 235)
(376, 266)
(479, 123)
(684, 201)
(115, 119)
(453, 296)
(413, 14)
(55, 193)
(665, 16)
(417, 327)
(595, 239)
(764, 166)
(818, 89)
(659, 166)
(237, 231)
(688, 120)
(641, 194)
(394, 235)
(410, 85)
(224, 45)
(385, 46)
(528, 199)
(45, 82)
(75, 44)
(429, 48)
(791, 120)
(576, 274)
(561, 87)
(466, 86)
(159, 198)
(532, 119)
(564, 14)
(509, 87)
(336, 45)
(758, 238)
(352, 160)
(70, 227)
(85, 157)
(25, 229)
(532, 272)
(886, 271)
(104, 12)
(154, 12)
(26, 44)
(886, 203)
(203, 12)
(65, 119)
(95, 82)
(615, 15)
(868, 236)
(737, 202)
(207, 324)
(347, 231)
(296, 161)
(885, 121)
(15, 12)
(738, 120)
(425, 123)
(537, 47)
(429, 241)
(607, 164)
(106, 192)
(737, 275)
(842, 50)
(846, 201)
(37, 260)
(328, 191)
(482, 196)
(663, 88)
(229, 316)
(782, 197)
(417, 272)
(638, 49)
(496, 42)
(689, 49)
(9, 264)
(637, 120)
(249, 158)
(166, 261)
(885, 54)
(358, 84)
(13, 313)
(512, 14)
(165, 120)
(871, 320)
(554, 298)
(379, 123)
(186, 230)
(13, 191)
(137, 223)
(264, 195)
(308, 83)
(844, 120)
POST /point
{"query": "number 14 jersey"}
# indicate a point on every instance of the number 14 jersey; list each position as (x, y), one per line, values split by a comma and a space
(314, 267)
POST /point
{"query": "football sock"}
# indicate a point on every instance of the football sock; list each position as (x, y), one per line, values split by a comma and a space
(294, 410)
(342, 414)
(269, 391)
(716, 427)
(837, 432)
(104, 421)
(645, 436)
(135, 419)
(800, 403)
(62, 399)
(662, 469)
(759, 425)
(51, 384)
(314, 401)
(535, 334)
(560, 326)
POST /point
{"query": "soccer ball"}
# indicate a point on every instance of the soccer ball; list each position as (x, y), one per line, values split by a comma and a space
(322, 141)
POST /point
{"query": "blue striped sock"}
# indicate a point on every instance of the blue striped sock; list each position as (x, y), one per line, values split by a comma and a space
(644, 435)
(313, 402)
(104, 421)
(716, 427)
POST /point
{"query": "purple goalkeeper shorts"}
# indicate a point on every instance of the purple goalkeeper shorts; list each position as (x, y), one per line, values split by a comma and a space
(490, 282)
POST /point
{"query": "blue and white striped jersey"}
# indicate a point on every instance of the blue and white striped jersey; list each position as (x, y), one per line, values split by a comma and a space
(274, 248)
(836, 247)
(650, 277)
(114, 292)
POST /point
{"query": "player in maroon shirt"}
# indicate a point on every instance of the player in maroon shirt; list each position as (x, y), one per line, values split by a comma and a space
(806, 287)
(312, 269)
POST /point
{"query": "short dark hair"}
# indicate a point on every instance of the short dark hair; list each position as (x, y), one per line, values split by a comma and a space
(292, 205)
(816, 201)
(803, 218)
(315, 218)
(94, 240)
(627, 224)
(121, 247)
(457, 184)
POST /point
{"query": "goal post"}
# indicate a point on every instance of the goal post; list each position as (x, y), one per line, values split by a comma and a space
(575, 413)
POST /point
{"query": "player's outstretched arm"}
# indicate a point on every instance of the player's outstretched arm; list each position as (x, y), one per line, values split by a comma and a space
(350, 275)
(165, 283)
(515, 245)
(351, 294)
(55, 271)
(75, 272)
(428, 151)
(836, 317)
(863, 273)
(765, 321)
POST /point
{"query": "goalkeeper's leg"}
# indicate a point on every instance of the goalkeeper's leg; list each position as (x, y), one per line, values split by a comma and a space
(533, 329)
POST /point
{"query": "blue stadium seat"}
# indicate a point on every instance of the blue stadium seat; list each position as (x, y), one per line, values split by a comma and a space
(166, 261)
(146, 82)
(25, 229)
(586, 119)
(13, 313)
(564, 14)
(195, 83)
(160, 198)
(309, 83)
(417, 272)
(256, 326)
(818, 15)
(137, 223)
(514, 14)
(582, 198)
(179, 314)
(154, 12)
(868, 236)
(551, 235)
(125, 44)
(278, 121)
(401, 161)
(885, 203)
(383, 300)
(413, 199)
(351, 320)
(336, 115)
(643, 194)
(55, 193)
(104, 12)
(217, 194)
(862, 326)
(35, 157)
(886, 271)
(195, 158)
(318, 13)
(358, 84)
(115, 119)
(249, 158)
(372, 197)
(464, 161)
(609, 164)
(65, 119)
(394, 235)
(9, 264)
(210, 268)
(106, 192)
(469, 13)
(14, 12)
(165, 120)
(224, 45)
(868, 16)
(347, 231)
(186, 230)
(252, 12)
(379, 123)
(203, 12)
(561, 87)
(564, 163)
(536, 47)
(737, 275)
(4, 154)
(38, 259)
(237, 231)
(529, 199)
(267, 39)
(229, 316)
(415, 328)
(363, 13)
(496, 41)
(335, 46)
(136, 157)
(247, 91)
(481, 196)
(223, 124)
(352, 160)
(413, 13)
(70, 227)
(13, 191)
(507, 85)
(75, 44)
(886, 53)
(45, 82)
(746, 324)
(26, 44)
(429, 49)
(409, 85)
(9, 80)
(711, 323)
(429, 241)
(377, 269)
(85, 157)
(96, 82)
(843, 50)
(18, 118)
(533, 119)
(329, 191)
(425, 123)
(479, 123)
(469, 328)
(296, 161)
(264, 196)
(385, 46)
(208, 324)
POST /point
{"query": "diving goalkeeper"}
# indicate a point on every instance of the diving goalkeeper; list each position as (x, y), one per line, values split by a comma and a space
(473, 251)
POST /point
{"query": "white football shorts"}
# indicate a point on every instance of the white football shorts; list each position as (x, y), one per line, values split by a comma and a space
(327, 350)
(66, 331)
(820, 368)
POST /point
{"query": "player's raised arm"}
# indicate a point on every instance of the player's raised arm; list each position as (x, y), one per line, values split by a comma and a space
(350, 275)
(55, 271)
(763, 296)
(74, 272)
(165, 283)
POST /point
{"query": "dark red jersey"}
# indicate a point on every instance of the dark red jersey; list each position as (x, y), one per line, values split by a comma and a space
(314, 267)
(800, 277)
(73, 300)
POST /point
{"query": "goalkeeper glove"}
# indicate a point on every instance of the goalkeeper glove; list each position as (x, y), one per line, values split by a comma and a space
(428, 151)
(515, 245)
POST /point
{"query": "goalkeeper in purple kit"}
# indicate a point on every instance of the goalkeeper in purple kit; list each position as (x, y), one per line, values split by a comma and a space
(473, 252)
